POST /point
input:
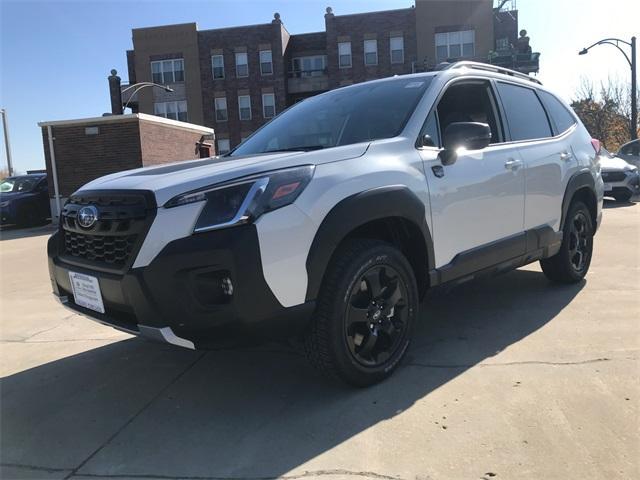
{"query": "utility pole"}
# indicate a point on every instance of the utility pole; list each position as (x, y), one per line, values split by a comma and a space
(634, 90)
(633, 127)
(7, 145)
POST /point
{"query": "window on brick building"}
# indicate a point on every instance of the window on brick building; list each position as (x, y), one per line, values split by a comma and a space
(344, 54)
(396, 46)
(223, 146)
(217, 66)
(222, 114)
(370, 52)
(172, 110)
(311, 66)
(268, 105)
(244, 106)
(167, 71)
(455, 44)
(266, 62)
(242, 65)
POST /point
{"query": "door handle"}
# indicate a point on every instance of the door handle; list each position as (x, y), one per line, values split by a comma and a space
(512, 164)
(565, 156)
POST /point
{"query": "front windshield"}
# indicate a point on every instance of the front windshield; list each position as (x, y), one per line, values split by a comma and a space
(18, 184)
(341, 117)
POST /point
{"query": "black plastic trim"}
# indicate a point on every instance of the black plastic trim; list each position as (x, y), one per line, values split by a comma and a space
(357, 210)
(578, 181)
(499, 256)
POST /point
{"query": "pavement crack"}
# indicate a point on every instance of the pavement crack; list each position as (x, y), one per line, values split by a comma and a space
(305, 474)
(37, 468)
(506, 364)
(136, 415)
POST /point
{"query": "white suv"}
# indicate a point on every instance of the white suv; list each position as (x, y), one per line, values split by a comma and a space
(331, 221)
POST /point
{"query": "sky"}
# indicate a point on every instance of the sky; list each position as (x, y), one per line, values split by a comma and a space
(55, 56)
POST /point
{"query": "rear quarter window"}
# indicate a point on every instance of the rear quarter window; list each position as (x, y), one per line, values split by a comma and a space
(562, 118)
(526, 118)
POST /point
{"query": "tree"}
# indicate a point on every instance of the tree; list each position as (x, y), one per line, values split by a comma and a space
(605, 114)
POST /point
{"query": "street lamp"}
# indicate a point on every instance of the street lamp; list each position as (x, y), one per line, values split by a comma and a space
(139, 86)
(632, 63)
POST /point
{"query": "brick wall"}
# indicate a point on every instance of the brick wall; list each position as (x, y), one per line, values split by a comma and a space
(228, 42)
(81, 158)
(121, 142)
(368, 26)
(163, 144)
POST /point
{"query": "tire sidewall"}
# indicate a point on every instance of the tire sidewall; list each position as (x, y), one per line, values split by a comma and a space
(382, 255)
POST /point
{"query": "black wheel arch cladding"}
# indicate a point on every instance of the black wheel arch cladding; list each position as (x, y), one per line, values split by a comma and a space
(358, 210)
(581, 185)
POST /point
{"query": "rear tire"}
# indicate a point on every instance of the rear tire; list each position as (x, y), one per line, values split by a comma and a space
(571, 263)
(364, 313)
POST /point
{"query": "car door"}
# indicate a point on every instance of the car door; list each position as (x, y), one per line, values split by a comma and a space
(477, 203)
(549, 160)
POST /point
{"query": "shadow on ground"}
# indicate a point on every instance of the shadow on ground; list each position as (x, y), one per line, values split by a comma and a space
(138, 409)
(14, 232)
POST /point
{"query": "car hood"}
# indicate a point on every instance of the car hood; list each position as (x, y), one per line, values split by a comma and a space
(169, 180)
(608, 164)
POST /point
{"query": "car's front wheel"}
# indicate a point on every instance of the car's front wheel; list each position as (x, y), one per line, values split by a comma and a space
(364, 315)
(571, 263)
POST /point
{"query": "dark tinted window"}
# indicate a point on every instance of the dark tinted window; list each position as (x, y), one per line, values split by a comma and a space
(525, 115)
(341, 117)
(469, 102)
(632, 148)
(559, 114)
(431, 128)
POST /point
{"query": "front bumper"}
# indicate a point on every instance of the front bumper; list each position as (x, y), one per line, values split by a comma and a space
(200, 290)
(630, 184)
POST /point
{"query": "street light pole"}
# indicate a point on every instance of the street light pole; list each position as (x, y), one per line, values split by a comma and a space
(139, 86)
(7, 145)
(633, 127)
(634, 92)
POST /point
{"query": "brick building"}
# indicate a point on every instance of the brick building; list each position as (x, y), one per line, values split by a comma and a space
(235, 79)
(88, 148)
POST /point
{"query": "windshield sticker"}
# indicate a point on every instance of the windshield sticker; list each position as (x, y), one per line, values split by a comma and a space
(414, 85)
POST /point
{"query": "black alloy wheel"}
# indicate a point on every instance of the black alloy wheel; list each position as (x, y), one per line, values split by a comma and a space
(579, 251)
(376, 316)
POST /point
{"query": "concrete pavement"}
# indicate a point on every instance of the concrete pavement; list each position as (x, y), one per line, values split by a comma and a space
(508, 378)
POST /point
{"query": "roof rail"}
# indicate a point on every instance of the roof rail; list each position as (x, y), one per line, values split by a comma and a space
(491, 68)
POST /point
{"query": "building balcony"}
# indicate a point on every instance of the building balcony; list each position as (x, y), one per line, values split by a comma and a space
(520, 62)
(306, 81)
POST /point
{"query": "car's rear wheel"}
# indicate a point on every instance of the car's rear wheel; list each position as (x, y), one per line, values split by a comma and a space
(365, 312)
(572, 262)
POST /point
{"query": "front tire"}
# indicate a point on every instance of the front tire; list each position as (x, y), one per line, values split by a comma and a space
(364, 315)
(571, 263)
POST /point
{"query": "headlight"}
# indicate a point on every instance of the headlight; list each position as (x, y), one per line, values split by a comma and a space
(245, 199)
(631, 172)
(5, 204)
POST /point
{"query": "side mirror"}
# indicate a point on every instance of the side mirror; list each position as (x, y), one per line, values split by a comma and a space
(470, 135)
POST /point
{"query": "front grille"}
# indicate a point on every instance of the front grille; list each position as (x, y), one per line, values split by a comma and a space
(614, 176)
(112, 242)
(112, 250)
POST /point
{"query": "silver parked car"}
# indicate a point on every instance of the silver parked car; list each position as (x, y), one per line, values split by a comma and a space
(621, 179)
(630, 152)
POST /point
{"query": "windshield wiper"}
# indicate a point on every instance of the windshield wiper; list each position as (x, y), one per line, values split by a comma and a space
(301, 148)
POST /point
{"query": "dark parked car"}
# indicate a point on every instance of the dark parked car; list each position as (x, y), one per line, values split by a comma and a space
(24, 200)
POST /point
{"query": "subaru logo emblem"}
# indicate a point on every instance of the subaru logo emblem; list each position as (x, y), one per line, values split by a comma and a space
(87, 216)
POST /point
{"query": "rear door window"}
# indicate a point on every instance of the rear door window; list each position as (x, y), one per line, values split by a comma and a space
(526, 118)
(562, 118)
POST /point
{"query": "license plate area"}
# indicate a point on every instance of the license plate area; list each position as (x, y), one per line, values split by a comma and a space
(86, 291)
